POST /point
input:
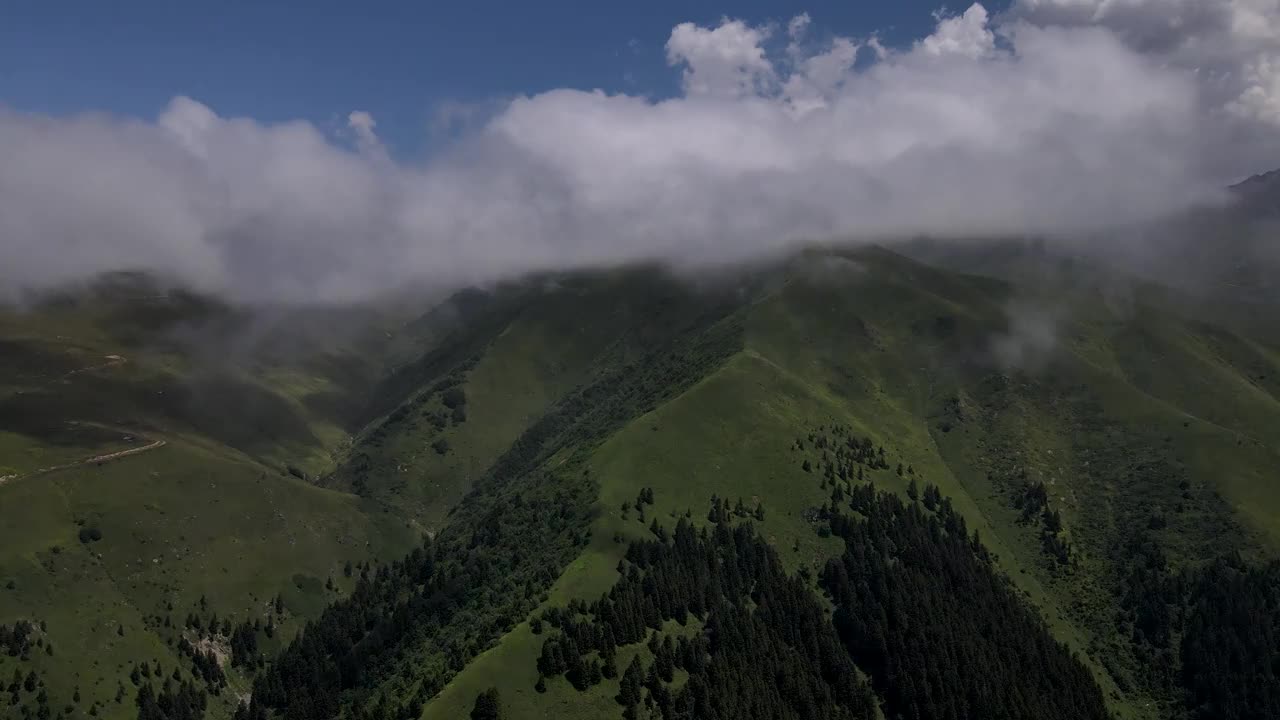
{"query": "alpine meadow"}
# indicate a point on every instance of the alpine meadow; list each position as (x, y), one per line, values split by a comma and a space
(912, 368)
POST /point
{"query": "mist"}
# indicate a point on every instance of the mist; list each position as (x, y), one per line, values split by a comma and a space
(1060, 118)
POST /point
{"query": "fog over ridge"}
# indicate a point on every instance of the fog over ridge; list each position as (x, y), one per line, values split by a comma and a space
(1058, 117)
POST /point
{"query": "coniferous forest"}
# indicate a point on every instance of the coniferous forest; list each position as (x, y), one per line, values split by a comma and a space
(912, 620)
(765, 648)
(919, 610)
(942, 633)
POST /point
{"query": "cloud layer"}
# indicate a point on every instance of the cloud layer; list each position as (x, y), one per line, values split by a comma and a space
(1063, 116)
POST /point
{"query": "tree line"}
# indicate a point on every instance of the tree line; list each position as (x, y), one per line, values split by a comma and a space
(923, 625)
(409, 625)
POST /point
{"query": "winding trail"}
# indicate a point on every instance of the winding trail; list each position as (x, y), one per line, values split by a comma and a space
(94, 460)
(111, 361)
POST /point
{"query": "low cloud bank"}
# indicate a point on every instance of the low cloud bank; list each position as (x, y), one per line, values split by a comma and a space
(1059, 117)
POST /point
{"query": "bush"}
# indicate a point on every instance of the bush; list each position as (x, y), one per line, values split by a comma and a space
(454, 397)
(90, 534)
(441, 446)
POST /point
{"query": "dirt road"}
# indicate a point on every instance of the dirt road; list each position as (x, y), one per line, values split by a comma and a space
(96, 459)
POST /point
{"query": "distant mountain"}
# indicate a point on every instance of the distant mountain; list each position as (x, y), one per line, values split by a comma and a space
(1007, 482)
(1260, 194)
(1221, 263)
(1229, 254)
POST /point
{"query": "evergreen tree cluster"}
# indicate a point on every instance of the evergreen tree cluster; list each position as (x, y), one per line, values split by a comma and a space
(721, 512)
(767, 649)
(919, 608)
(645, 497)
(495, 569)
(488, 706)
(1149, 596)
(1209, 637)
(175, 701)
(1231, 645)
(942, 634)
(252, 710)
(841, 456)
(33, 686)
(16, 639)
(244, 644)
(1034, 503)
(204, 665)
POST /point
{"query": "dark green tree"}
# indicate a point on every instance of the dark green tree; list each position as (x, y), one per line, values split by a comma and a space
(629, 688)
(488, 706)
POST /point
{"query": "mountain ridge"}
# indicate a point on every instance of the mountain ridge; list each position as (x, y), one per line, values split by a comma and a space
(594, 386)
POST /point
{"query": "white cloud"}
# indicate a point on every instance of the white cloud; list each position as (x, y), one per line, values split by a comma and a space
(1232, 48)
(966, 35)
(819, 76)
(798, 26)
(362, 124)
(1066, 125)
(724, 61)
(879, 49)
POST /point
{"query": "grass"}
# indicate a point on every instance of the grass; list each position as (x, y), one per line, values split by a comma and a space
(523, 372)
(211, 513)
(177, 524)
(730, 435)
(896, 350)
(887, 349)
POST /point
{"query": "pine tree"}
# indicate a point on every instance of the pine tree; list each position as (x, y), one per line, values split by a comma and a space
(488, 706)
(629, 688)
(664, 666)
(932, 496)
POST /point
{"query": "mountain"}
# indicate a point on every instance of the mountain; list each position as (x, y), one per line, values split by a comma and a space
(848, 483)
(156, 448)
(1260, 194)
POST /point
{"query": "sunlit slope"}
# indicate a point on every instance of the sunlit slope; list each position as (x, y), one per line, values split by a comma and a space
(520, 350)
(905, 354)
(1066, 424)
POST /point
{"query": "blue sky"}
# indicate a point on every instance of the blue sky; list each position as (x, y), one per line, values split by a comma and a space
(320, 60)
(1041, 118)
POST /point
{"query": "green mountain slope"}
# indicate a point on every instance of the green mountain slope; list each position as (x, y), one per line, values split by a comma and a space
(142, 478)
(1095, 444)
(903, 353)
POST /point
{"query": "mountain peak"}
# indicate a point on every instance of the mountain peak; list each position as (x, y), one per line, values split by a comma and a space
(1260, 193)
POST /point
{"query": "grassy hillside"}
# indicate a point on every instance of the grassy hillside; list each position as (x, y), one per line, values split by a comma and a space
(907, 355)
(139, 474)
(1073, 428)
(518, 352)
